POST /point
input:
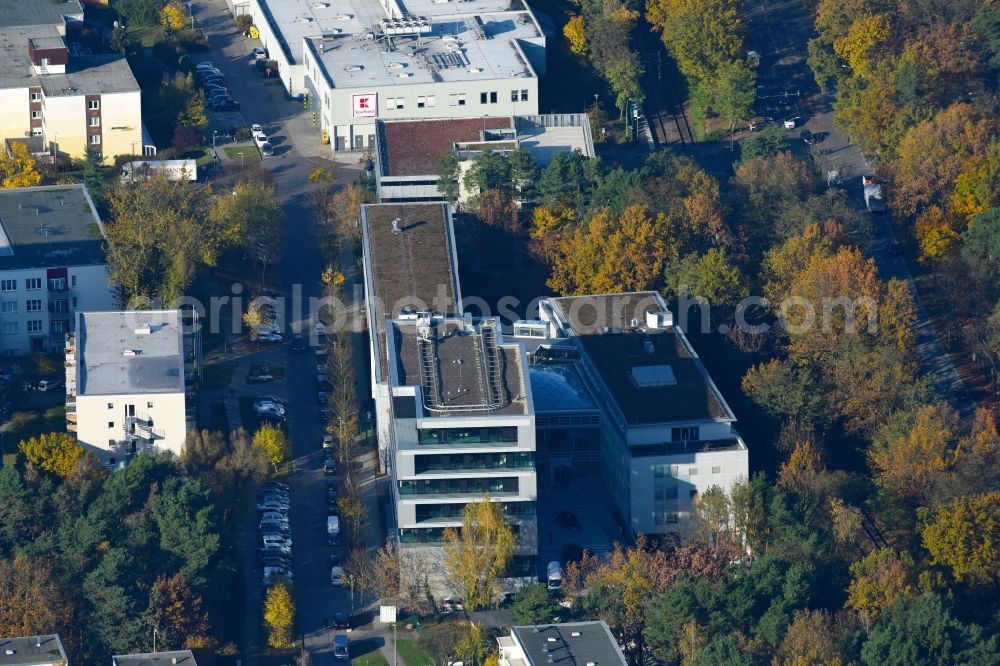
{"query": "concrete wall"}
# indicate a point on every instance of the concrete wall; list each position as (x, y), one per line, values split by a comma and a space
(65, 124)
(98, 423)
(121, 124)
(121, 118)
(695, 472)
(15, 115)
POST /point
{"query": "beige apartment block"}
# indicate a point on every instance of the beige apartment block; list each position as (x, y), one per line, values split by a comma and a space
(65, 100)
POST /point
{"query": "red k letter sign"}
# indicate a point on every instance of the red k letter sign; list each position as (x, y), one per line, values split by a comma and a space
(364, 105)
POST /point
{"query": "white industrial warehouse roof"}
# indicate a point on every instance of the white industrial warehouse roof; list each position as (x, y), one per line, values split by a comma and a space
(452, 52)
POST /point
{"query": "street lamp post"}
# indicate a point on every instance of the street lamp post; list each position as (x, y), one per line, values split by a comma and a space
(350, 580)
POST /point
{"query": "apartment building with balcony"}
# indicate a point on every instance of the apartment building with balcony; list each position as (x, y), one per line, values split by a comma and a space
(57, 92)
(665, 431)
(52, 264)
(130, 381)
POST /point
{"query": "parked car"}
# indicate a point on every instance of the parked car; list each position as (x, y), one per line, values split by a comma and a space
(229, 105)
(321, 397)
(271, 504)
(341, 647)
(49, 385)
(324, 415)
(274, 551)
(341, 620)
(336, 575)
(275, 540)
(329, 467)
(259, 53)
(298, 343)
(269, 336)
(807, 137)
(259, 375)
(267, 150)
(274, 517)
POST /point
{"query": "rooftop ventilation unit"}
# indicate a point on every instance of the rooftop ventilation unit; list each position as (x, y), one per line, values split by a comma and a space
(395, 226)
(131, 352)
(575, 634)
(659, 319)
(144, 329)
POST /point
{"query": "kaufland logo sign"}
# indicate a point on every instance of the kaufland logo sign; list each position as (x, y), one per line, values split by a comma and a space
(364, 105)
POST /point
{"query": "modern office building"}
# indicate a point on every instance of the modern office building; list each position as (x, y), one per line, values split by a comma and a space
(577, 643)
(407, 152)
(72, 100)
(463, 427)
(130, 379)
(45, 650)
(666, 432)
(52, 264)
(454, 413)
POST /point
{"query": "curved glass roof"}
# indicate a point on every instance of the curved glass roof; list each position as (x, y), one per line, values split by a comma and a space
(556, 387)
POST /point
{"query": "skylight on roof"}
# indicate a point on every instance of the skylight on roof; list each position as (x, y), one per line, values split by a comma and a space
(653, 376)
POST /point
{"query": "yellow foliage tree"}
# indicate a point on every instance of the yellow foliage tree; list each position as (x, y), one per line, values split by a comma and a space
(907, 463)
(880, 579)
(935, 234)
(172, 16)
(477, 555)
(272, 441)
(965, 537)
(55, 452)
(279, 616)
(859, 46)
(575, 36)
(18, 167)
(610, 254)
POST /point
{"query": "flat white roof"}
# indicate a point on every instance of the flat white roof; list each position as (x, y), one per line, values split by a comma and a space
(129, 352)
(298, 20)
(453, 51)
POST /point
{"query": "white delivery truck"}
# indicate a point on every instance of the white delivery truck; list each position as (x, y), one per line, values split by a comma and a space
(173, 169)
(333, 530)
(873, 194)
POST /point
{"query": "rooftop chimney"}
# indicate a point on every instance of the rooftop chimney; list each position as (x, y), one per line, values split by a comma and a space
(395, 226)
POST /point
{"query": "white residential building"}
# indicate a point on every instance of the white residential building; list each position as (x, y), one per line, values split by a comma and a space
(666, 432)
(52, 264)
(129, 381)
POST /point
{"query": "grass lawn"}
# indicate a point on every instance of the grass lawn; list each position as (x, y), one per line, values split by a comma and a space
(25, 425)
(146, 35)
(411, 652)
(371, 659)
(249, 153)
(201, 156)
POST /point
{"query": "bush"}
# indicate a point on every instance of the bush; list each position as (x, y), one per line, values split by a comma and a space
(186, 137)
(139, 13)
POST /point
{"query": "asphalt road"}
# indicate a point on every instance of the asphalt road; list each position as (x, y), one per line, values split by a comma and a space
(297, 153)
(779, 32)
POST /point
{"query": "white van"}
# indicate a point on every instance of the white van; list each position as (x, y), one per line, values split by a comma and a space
(553, 577)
